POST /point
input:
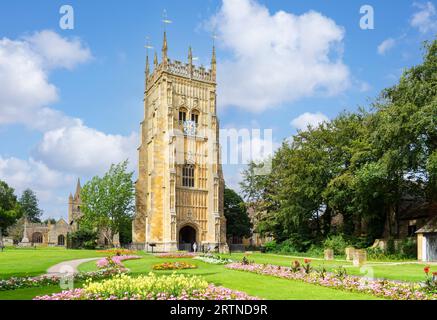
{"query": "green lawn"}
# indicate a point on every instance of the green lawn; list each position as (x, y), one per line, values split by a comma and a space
(404, 272)
(30, 293)
(265, 287)
(30, 262)
(27, 262)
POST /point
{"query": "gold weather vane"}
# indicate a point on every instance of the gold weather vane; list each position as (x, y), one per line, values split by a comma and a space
(165, 19)
(214, 37)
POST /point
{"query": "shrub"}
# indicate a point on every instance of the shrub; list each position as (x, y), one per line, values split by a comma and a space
(270, 246)
(82, 239)
(391, 248)
(336, 243)
(408, 247)
(376, 254)
(315, 251)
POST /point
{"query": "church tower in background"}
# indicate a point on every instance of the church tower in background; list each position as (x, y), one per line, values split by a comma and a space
(179, 191)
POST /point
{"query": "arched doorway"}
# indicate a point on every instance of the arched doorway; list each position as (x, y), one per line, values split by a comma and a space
(61, 240)
(37, 237)
(187, 236)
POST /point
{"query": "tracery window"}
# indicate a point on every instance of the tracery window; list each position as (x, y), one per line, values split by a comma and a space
(188, 176)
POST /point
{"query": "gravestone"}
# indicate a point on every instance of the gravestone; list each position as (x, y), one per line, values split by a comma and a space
(360, 258)
(329, 254)
(349, 251)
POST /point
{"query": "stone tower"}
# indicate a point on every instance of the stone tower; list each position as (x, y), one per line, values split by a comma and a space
(74, 203)
(179, 191)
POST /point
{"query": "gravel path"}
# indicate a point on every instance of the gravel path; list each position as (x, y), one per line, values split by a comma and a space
(69, 267)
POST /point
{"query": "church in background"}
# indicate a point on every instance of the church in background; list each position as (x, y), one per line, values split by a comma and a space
(179, 191)
(56, 233)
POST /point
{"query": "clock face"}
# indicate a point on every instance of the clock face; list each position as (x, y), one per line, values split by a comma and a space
(190, 128)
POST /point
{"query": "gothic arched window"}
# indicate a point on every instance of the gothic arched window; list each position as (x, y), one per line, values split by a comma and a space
(188, 176)
(182, 114)
(195, 116)
(37, 237)
(61, 240)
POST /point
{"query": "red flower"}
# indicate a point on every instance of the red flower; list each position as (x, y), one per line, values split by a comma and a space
(426, 269)
(307, 261)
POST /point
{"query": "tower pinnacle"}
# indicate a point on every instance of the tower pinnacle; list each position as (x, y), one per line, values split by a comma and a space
(147, 65)
(213, 63)
(164, 48)
(190, 61)
(78, 188)
(190, 56)
(155, 61)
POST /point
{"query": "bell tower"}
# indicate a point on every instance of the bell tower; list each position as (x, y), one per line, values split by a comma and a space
(180, 186)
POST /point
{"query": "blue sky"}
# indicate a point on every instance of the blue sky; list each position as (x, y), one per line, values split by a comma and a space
(282, 65)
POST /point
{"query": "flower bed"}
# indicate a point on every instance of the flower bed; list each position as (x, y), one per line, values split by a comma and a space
(46, 280)
(381, 288)
(176, 255)
(118, 252)
(174, 266)
(114, 262)
(151, 287)
(213, 259)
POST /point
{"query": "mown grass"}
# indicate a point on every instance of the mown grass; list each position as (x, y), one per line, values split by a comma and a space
(265, 287)
(24, 262)
(377, 269)
(30, 262)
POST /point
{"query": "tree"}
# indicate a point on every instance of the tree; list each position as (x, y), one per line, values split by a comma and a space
(108, 201)
(29, 206)
(9, 207)
(82, 239)
(237, 220)
(50, 220)
(361, 165)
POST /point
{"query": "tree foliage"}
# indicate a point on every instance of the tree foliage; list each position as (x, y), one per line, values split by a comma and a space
(237, 220)
(10, 210)
(108, 201)
(29, 205)
(360, 165)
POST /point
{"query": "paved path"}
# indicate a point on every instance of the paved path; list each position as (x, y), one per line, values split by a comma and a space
(68, 266)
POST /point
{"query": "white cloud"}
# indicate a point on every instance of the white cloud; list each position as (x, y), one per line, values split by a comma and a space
(68, 149)
(277, 58)
(85, 150)
(58, 52)
(25, 91)
(386, 45)
(308, 119)
(22, 174)
(257, 149)
(426, 18)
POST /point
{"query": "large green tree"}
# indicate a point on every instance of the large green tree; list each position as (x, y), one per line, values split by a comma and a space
(29, 205)
(9, 207)
(360, 165)
(108, 201)
(237, 220)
